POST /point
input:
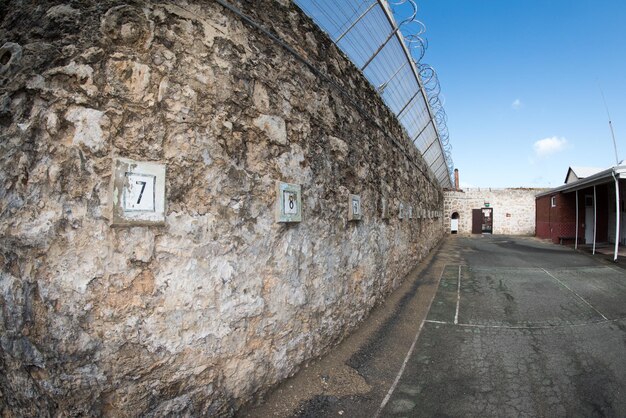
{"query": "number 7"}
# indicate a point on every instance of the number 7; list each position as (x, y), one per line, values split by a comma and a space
(143, 187)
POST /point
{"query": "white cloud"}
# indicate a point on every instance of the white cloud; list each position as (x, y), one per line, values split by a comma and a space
(548, 146)
(517, 104)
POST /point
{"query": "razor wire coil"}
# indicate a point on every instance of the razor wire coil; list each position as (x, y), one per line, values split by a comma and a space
(389, 54)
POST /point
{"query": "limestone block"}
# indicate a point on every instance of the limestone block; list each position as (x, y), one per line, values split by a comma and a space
(179, 101)
(127, 26)
(90, 127)
(10, 58)
(292, 165)
(274, 127)
(261, 98)
(82, 73)
(35, 229)
(339, 147)
(189, 26)
(136, 243)
(128, 79)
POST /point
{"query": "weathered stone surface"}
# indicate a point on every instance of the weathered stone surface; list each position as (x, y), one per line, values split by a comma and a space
(194, 317)
(88, 125)
(274, 128)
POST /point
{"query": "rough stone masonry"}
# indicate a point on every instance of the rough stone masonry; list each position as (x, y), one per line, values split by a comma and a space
(221, 302)
(513, 209)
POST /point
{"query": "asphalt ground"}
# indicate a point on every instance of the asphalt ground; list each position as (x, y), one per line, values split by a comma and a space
(522, 328)
(487, 326)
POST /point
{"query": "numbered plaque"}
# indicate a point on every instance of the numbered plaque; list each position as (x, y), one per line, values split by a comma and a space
(384, 208)
(288, 202)
(138, 193)
(354, 208)
(401, 211)
(410, 212)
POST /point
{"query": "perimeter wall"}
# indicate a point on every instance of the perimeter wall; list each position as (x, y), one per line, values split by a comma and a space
(513, 209)
(221, 302)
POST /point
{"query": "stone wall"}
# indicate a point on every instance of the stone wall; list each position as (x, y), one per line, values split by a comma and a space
(220, 302)
(513, 209)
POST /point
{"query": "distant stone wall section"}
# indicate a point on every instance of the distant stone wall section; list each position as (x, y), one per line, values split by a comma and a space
(513, 209)
(194, 317)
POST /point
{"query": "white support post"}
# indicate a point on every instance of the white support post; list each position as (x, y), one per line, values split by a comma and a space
(617, 217)
(576, 243)
(594, 221)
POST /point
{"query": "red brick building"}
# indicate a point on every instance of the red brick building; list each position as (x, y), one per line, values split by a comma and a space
(584, 209)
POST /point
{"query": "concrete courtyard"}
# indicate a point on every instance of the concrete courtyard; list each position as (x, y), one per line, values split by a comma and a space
(516, 327)
(522, 329)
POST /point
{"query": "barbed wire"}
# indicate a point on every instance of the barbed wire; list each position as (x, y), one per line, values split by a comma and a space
(427, 73)
(389, 54)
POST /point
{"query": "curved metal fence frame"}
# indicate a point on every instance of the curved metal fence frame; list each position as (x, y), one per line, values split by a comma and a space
(389, 54)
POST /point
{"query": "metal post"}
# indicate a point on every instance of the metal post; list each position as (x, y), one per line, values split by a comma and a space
(433, 164)
(594, 221)
(443, 164)
(383, 86)
(422, 131)
(389, 15)
(431, 144)
(576, 243)
(617, 216)
(408, 103)
(355, 22)
(380, 48)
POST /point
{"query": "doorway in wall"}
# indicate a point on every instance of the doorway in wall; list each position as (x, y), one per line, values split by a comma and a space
(454, 223)
(482, 221)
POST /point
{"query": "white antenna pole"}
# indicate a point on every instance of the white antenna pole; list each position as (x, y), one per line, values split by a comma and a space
(610, 124)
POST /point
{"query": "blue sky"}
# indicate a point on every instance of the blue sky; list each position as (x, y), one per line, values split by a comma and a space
(521, 81)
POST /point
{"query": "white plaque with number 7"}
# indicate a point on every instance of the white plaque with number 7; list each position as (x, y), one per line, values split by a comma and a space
(138, 193)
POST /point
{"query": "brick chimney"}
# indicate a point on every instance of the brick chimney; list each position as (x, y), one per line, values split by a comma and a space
(456, 179)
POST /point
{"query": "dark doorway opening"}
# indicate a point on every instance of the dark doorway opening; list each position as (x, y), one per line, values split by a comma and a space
(482, 221)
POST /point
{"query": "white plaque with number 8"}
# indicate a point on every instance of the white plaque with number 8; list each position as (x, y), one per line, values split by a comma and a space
(290, 200)
(354, 208)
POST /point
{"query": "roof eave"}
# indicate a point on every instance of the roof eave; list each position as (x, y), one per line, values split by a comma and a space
(594, 180)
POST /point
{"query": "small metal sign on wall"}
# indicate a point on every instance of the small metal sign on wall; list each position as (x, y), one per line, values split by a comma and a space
(138, 193)
(288, 202)
(354, 208)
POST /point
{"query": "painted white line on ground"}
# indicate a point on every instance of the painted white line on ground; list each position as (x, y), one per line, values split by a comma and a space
(580, 297)
(616, 270)
(458, 298)
(524, 327)
(408, 355)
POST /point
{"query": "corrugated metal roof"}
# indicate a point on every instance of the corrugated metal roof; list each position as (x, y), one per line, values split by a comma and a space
(603, 176)
(583, 172)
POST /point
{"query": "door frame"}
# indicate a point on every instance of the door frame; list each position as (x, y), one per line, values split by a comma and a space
(478, 221)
